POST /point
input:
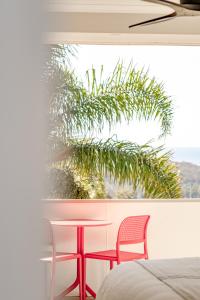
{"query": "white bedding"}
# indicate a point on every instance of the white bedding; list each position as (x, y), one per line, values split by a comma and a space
(169, 279)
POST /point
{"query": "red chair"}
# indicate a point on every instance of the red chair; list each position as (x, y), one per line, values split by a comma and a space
(132, 230)
(52, 257)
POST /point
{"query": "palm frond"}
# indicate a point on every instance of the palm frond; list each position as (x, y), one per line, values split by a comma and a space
(142, 166)
(126, 94)
(61, 55)
(62, 99)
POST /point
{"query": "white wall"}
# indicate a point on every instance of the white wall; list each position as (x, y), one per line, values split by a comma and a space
(21, 144)
(173, 230)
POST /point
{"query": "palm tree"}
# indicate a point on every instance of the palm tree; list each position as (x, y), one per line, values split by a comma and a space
(76, 109)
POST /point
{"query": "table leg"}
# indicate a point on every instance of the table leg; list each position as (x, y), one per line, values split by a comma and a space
(80, 249)
(68, 290)
(90, 291)
(82, 276)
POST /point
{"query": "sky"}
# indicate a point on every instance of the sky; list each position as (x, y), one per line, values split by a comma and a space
(178, 67)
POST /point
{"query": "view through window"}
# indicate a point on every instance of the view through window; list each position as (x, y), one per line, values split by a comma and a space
(124, 122)
(177, 68)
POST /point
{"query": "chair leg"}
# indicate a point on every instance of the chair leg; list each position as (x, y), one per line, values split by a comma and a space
(111, 264)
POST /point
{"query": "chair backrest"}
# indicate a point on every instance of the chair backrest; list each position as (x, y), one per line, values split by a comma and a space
(133, 230)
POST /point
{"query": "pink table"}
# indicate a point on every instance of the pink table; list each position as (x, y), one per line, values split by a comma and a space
(80, 224)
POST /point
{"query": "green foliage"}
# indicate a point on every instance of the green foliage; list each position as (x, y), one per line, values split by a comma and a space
(144, 167)
(62, 184)
(126, 94)
(76, 109)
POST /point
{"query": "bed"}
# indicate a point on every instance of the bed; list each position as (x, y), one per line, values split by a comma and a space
(168, 279)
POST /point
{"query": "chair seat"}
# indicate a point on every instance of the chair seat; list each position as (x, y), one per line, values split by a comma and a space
(60, 256)
(112, 255)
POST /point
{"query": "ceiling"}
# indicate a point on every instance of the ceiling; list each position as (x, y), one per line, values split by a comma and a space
(107, 21)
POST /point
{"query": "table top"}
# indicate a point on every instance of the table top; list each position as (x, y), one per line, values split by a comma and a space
(81, 222)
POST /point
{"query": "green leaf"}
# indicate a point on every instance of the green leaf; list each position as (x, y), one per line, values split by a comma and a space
(149, 168)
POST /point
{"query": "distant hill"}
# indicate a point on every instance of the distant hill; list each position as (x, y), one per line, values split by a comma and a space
(190, 182)
(190, 179)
